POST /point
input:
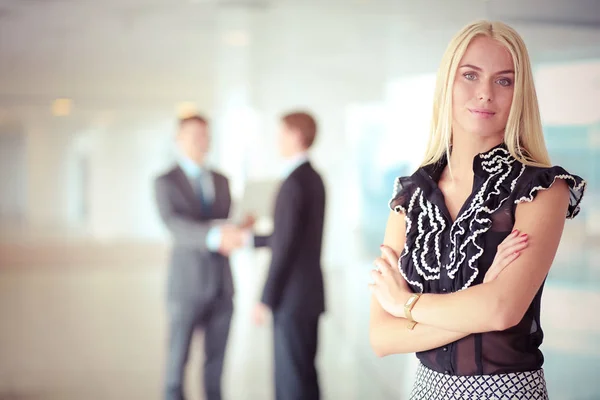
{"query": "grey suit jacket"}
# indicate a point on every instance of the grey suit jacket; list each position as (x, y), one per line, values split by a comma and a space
(196, 275)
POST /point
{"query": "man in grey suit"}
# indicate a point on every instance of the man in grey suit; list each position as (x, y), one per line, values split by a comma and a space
(194, 204)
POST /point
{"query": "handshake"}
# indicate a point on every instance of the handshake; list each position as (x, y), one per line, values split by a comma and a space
(235, 236)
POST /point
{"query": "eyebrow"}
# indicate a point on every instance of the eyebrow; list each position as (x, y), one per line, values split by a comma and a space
(507, 71)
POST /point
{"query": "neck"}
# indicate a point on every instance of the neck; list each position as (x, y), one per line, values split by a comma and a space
(464, 150)
(199, 161)
(296, 154)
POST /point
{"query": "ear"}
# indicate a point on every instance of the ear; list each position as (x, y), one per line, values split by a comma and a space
(298, 139)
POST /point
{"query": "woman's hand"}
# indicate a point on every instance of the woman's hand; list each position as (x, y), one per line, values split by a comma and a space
(392, 291)
(389, 287)
(508, 251)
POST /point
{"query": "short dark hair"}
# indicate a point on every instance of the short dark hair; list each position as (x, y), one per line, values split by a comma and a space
(304, 123)
(192, 118)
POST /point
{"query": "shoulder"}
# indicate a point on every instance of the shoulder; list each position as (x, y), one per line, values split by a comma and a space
(313, 174)
(217, 175)
(294, 182)
(303, 170)
(304, 174)
(167, 174)
(404, 190)
(554, 185)
(303, 182)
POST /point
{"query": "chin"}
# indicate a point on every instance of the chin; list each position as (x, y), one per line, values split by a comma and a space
(486, 131)
(285, 153)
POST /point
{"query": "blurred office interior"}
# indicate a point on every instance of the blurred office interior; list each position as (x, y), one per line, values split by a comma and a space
(90, 93)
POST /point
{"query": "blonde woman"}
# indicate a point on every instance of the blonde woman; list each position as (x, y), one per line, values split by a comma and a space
(476, 227)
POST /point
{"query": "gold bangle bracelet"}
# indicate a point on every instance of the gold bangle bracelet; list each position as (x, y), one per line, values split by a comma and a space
(410, 303)
(411, 325)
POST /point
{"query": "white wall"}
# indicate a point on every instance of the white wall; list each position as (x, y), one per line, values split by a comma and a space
(12, 174)
(124, 159)
(569, 93)
(47, 175)
(324, 62)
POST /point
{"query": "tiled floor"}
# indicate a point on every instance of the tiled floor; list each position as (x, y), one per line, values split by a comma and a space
(97, 332)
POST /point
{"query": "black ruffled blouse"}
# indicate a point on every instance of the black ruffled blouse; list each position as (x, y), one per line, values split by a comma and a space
(441, 256)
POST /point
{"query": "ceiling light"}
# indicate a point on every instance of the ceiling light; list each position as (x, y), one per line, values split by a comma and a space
(62, 107)
(236, 38)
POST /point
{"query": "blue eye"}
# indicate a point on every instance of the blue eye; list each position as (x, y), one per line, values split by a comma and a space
(470, 76)
(504, 82)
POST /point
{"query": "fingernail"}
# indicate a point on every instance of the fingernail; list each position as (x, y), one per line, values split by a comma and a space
(515, 230)
(381, 246)
(523, 235)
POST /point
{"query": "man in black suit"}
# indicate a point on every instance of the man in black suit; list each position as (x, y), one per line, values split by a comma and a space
(193, 202)
(294, 287)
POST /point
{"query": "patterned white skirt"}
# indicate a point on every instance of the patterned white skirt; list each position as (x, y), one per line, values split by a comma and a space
(432, 385)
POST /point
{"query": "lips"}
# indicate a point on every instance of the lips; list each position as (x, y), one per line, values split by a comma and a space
(482, 112)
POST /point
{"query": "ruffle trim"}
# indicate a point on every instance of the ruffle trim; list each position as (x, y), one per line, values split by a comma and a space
(544, 181)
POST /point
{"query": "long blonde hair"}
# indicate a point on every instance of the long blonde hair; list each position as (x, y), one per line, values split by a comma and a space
(523, 134)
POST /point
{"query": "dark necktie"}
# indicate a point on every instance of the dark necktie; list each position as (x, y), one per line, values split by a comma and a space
(202, 197)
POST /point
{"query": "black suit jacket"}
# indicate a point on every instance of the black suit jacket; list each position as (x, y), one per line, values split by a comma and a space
(295, 282)
(196, 275)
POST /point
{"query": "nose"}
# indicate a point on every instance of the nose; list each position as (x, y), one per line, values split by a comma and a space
(485, 92)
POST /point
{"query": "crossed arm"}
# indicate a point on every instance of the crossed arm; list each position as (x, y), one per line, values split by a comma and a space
(389, 334)
(496, 305)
